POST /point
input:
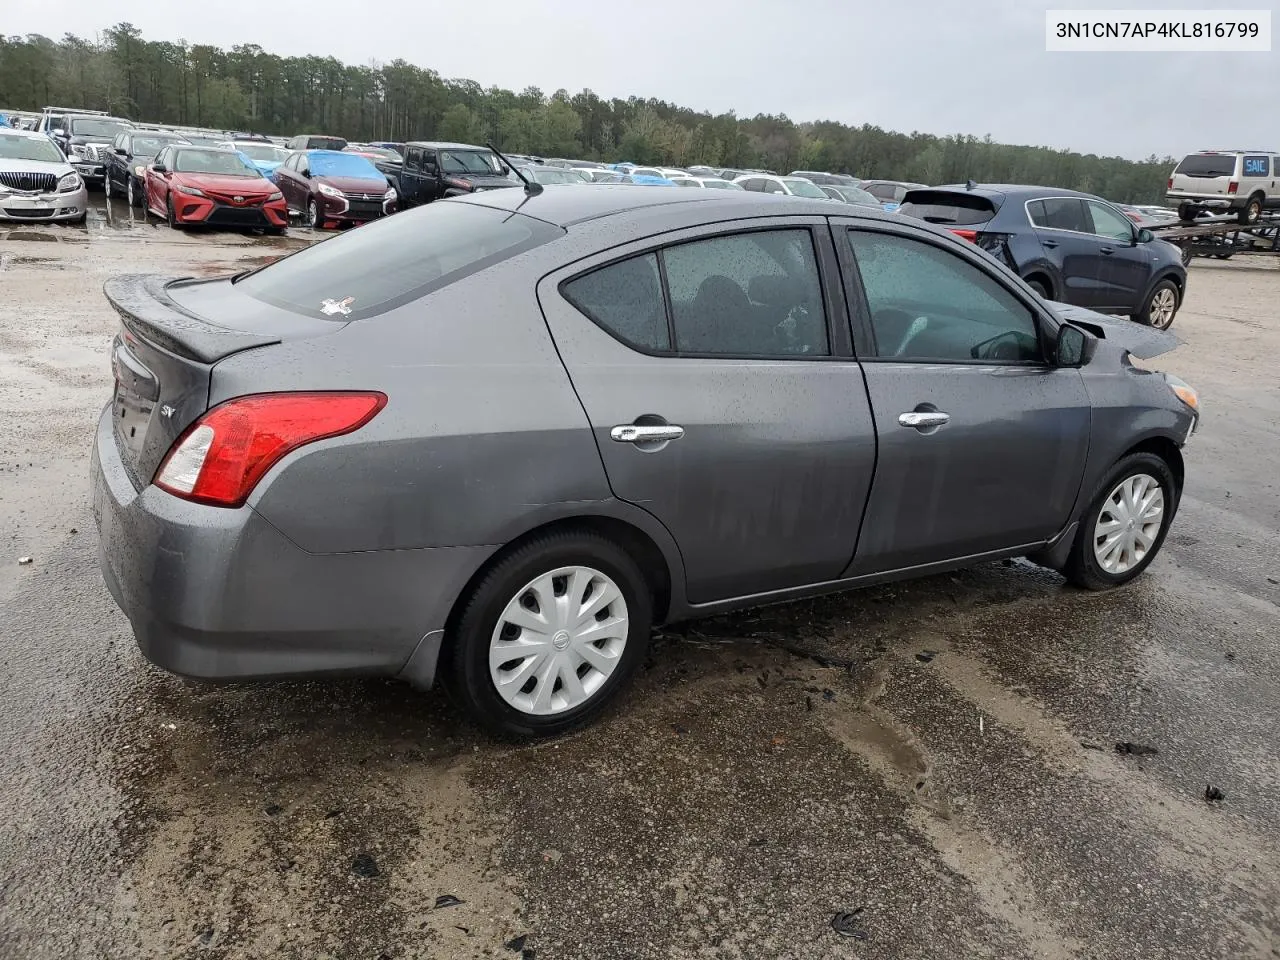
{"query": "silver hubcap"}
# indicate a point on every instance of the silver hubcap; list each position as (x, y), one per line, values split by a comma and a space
(130, 189)
(313, 215)
(1128, 524)
(558, 640)
(1162, 306)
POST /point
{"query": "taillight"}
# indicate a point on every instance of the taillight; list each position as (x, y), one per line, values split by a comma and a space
(1170, 184)
(1232, 187)
(222, 456)
(970, 235)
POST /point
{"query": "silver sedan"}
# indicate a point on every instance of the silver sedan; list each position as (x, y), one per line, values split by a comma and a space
(36, 182)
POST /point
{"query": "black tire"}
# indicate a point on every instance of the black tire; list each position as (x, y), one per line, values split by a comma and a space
(1160, 319)
(313, 214)
(133, 194)
(1252, 211)
(1040, 287)
(465, 660)
(170, 216)
(1187, 212)
(106, 186)
(1185, 255)
(1082, 567)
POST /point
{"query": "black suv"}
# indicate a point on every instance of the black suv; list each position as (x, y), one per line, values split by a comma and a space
(86, 141)
(125, 163)
(1067, 246)
(434, 170)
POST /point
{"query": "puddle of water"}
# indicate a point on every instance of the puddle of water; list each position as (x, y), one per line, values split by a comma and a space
(32, 235)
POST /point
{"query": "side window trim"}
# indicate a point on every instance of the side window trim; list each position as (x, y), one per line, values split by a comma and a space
(860, 309)
(834, 302)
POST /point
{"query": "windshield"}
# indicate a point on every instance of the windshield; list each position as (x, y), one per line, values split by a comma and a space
(343, 165)
(221, 162)
(803, 188)
(262, 151)
(150, 146)
(32, 148)
(93, 127)
(470, 161)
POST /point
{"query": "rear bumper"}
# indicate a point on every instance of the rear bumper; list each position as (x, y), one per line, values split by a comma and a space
(1213, 200)
(222, 594)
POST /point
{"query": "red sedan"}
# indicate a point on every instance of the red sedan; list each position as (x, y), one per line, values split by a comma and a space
(205, 185)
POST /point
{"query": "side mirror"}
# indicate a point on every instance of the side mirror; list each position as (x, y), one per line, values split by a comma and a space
(59, 132)
(159, 168)
(1145, 235)
(121, 152)
(1074, 347)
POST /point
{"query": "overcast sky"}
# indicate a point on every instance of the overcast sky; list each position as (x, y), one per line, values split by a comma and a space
(936, 66)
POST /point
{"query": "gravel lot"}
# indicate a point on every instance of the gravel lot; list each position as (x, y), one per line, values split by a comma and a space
(937, 758)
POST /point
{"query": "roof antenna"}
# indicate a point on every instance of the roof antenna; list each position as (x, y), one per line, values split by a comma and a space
(970, 185)
(531, 187)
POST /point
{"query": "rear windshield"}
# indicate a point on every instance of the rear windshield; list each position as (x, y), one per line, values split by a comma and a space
(1208, 165)
(940, 206)
(389, 262)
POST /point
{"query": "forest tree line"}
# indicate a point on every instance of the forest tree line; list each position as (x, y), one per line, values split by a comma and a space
(246, 88)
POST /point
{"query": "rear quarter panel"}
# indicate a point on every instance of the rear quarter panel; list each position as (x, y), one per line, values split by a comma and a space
(482, 432)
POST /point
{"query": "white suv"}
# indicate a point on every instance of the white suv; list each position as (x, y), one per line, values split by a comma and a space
(1241, 180)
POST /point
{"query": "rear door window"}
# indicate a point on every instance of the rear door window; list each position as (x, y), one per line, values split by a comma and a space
(939, 206)
(394, 260)
(1208, 165)
(625, 298)
(1060, 213)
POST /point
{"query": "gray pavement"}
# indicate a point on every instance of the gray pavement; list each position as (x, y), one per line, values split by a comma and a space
(936, 758)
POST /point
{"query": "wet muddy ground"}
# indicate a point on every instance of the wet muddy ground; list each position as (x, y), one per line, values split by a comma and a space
(936, 761)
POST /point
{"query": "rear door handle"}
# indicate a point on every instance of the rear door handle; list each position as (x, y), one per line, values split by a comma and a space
(923, 419)
(645, 433)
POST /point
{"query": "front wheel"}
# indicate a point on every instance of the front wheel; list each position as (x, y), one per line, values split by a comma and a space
(106, 186)
(313, 214)
(1125, 525)
(171, 215)
(1161, 306)
(131, 192)
(549, 636)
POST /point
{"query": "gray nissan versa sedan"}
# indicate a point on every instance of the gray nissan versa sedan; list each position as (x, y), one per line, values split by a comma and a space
(497, 438)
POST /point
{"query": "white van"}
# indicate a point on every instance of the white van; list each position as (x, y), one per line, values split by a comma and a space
(1241, 180)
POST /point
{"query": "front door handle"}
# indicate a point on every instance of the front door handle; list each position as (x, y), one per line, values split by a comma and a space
(1051, 244)
(923, 419)
(1108, 251)
(646, 433)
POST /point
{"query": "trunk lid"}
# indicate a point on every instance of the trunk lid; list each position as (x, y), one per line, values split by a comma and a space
(165, 351)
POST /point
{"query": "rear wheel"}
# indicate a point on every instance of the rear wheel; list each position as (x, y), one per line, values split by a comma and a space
(549, 636)
(1187, 211)
(1125, 525)
(1161, 306)
(1252, 211)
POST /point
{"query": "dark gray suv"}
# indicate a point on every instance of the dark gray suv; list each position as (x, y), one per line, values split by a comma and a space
(497, 438)
(1070, 247)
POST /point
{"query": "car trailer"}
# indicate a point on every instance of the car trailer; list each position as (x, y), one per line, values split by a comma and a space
(1221, 237)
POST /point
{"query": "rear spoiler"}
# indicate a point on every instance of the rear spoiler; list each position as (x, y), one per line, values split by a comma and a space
(144, 304)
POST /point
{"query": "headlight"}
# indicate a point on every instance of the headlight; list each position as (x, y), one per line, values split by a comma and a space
(80, 150)
(190, 191)
(68, 182)
(1183, 391)
(275, 196)
(390, 194)
(140, 171)
(329, 191)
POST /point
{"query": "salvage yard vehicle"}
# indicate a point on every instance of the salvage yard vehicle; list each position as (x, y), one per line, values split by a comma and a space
(549, 175)
(329, 187)
(496, 439)
(432, 171)
(314, 141)
(1071, 247)
(209, 186)
(36, 182)
(1245, 182)
(124, 167)
(787, 186)
(86, 141)
(265, 157)
(848, 194)
(708, 183)
(889, 192)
